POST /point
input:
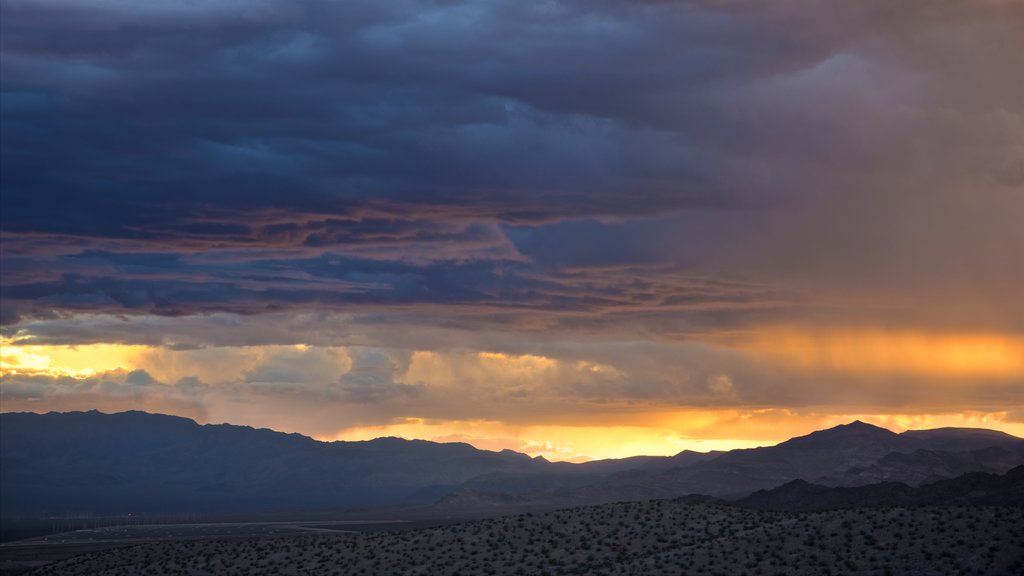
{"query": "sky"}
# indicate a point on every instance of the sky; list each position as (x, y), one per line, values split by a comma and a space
(577, 229)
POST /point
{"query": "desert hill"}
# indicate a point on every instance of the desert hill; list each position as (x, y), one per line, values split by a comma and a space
(653, 537)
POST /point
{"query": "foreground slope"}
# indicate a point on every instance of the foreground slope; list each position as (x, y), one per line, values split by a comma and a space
(655, 537)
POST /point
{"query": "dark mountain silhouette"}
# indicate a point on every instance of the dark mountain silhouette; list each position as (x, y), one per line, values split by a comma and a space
(138, 462)
(922, 466)
(89, 462)
(849, 455)
(979, 488)
(960, 439)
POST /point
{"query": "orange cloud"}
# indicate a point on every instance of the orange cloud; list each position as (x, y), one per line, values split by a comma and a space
(519, 402)
(875, 351)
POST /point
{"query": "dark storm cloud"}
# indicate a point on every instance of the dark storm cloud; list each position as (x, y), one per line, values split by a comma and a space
(134, 122)
(512, 294)
(653, 163)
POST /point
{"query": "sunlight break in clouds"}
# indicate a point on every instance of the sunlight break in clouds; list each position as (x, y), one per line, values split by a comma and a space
(75, 361)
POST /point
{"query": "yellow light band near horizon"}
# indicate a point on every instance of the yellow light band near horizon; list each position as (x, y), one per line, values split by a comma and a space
(77, 361)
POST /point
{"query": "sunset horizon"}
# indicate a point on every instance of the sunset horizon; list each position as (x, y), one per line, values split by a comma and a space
(559, 454)
(639, 237)
(609, 430)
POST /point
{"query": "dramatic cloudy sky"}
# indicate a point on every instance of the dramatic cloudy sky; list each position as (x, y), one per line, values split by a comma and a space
(574, 228)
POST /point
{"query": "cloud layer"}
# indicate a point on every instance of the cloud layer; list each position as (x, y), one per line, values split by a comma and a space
(656, 187)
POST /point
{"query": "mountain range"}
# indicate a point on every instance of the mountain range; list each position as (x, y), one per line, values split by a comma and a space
(973, 488)
(134, 462)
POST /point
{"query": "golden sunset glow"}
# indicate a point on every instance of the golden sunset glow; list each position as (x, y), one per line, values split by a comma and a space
(78, 361)
(524, 391)
(556, 443)
(668, 432)
(428, 366)
(221, 365)
(506, 269)
(869, 351)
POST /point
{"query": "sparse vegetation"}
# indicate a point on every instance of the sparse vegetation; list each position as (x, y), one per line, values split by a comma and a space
(655, 537)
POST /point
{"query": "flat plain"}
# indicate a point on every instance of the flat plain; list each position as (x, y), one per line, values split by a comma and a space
(655, 537)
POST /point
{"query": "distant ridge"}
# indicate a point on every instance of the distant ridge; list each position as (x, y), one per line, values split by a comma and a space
(95, 463)
(90, 462)
(977, 488)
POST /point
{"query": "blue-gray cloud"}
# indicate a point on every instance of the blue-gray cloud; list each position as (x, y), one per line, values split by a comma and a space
(671, 164)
